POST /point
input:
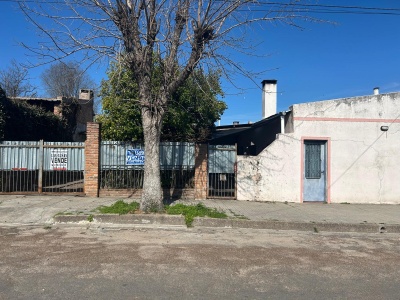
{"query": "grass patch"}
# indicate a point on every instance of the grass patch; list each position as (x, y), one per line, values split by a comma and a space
(188, 211)
(90, 218)
(120, 207)
(192, 211)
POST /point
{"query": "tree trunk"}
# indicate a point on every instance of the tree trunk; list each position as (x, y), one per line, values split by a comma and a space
(152, 197)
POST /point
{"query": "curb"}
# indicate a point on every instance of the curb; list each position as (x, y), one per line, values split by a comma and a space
(175, 220)
(300, 226)
(132, 219)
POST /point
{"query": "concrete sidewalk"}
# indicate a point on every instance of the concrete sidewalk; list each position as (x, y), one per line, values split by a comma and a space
(39, 210)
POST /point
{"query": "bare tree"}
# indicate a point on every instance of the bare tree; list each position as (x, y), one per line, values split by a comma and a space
(15, 82)
(65, 79)
(180, 35)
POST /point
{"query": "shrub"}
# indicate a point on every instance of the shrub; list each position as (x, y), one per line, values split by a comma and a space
(20, 121)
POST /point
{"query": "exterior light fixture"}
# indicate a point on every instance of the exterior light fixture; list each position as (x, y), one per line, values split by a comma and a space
(384, 128)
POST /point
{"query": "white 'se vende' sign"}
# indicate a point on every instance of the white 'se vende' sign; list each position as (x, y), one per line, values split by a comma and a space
(59, 159)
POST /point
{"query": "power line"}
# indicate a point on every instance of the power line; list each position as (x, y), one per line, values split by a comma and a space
(322, 11)
(331, 6)
(276, 7)
(335, 9)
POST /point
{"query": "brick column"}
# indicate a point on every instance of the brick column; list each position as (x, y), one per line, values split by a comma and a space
(92, 159)
(200, 172)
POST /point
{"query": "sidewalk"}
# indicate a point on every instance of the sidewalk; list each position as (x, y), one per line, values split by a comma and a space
(39, 210)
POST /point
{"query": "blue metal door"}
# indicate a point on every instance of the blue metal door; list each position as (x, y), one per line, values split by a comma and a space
(314, 175)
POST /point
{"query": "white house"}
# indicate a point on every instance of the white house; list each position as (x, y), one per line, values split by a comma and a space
(335, 151)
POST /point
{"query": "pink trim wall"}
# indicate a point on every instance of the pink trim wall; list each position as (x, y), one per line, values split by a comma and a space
(357, 120)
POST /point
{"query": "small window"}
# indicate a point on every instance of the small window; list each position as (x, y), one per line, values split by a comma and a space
(312, 161)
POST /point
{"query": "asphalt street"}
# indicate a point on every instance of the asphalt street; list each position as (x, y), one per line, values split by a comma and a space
(204, 263)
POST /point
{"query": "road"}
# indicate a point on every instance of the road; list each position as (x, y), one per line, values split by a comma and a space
(98, 263)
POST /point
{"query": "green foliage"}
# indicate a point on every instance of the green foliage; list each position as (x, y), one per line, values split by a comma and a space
(194, 109)
(192, 211)
(121, 119)
(24, 122)
(189, 211)
(120, 207)
(190, 116)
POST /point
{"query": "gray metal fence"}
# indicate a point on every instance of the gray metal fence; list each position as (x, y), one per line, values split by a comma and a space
(41, 167)
(222, 171)
(122, 165)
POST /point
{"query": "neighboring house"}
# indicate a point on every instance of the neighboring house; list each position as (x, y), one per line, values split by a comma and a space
(81, 108)
(334, 151)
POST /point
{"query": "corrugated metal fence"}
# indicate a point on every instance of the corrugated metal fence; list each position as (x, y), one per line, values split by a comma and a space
(222, 171)
(122, 165)
(36, 167)
(41, 167)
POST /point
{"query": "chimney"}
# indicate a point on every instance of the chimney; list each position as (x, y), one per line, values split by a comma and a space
(85, 94)
(269, 93)
(376, 91)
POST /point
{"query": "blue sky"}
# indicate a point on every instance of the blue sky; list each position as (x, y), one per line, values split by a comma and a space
(321, 61)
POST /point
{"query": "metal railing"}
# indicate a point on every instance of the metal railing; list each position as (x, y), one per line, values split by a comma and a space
(36, 167)
(221, 171)
(122, 165)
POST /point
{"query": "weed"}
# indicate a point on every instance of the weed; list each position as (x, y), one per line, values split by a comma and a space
(120, 207)
(238, 216)
(192, 211)
(154, 208)
(316, 230)
(344, 203)
(47, 227)
(64, 213)
(90, 218)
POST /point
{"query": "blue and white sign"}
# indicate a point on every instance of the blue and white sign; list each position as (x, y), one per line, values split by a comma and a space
(135, 157)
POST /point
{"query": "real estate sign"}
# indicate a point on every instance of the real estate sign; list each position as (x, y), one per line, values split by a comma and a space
(135, 157)
(59, 159)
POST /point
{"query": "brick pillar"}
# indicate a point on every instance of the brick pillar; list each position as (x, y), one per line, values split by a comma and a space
(92, 159)
(200, 172)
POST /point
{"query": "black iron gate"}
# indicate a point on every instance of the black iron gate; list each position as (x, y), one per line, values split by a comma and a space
(41, 167)
(222, 171)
